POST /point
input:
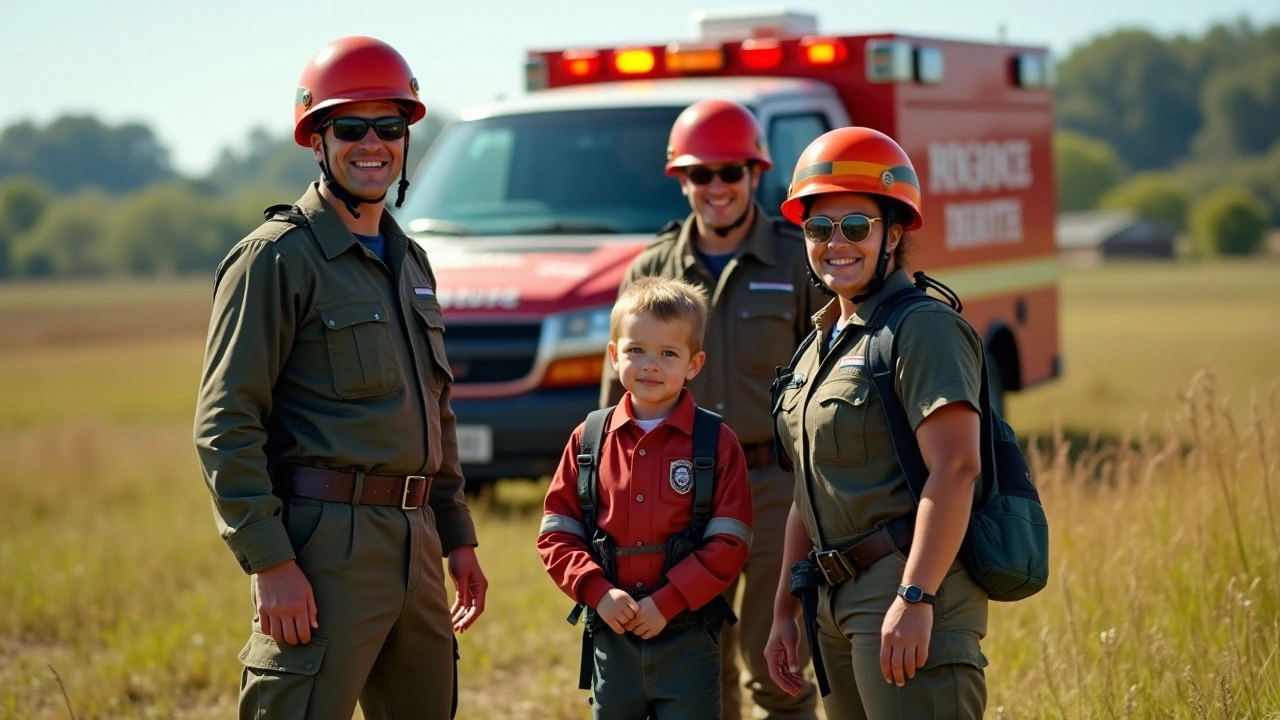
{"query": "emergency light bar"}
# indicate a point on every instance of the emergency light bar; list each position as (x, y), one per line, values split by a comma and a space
(636, 61)
(691, 59)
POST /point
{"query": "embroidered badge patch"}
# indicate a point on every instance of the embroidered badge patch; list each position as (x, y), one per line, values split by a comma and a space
(682, 476)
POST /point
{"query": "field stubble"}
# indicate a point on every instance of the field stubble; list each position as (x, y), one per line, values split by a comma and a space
(1164, 600)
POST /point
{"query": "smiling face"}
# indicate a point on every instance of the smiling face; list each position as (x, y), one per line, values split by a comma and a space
(848, 268)
(368, 166)
(654, 359)
(719, 204)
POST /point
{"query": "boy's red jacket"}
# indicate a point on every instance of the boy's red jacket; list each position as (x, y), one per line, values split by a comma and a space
(640, 505)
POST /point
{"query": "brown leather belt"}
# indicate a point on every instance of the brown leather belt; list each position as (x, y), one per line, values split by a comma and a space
(760, 455)
(840, 565)
(409, 492)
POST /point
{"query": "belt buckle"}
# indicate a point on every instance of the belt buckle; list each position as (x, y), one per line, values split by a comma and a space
(404, 495)
(834, 565)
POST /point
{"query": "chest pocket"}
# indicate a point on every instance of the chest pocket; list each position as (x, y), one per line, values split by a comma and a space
(838, 418)
(360, 348)
(677, 480)
(433, 324)
(765, 336)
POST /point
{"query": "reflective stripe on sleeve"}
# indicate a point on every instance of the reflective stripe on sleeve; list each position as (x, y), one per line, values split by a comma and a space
(728, 526)
(562, 523)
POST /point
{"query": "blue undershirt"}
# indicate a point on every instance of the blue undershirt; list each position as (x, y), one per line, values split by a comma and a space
(716, 263)
(376, 245)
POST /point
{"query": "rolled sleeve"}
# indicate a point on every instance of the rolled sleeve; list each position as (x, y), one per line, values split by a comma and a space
(939, 362)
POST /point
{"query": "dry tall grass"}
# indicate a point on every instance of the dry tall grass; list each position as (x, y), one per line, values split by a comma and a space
(1166, 532)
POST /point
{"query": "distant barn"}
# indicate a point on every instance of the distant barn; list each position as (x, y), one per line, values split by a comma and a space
(1093, 236)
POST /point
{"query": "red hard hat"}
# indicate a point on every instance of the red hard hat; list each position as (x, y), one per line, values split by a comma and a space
(715, 131)
(351, 70)
(858, 160)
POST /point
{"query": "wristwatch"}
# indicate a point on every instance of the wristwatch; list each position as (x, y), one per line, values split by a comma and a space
(913, 594)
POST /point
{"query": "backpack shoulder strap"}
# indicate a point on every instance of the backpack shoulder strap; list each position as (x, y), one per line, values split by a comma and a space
(588, 465)
(706, 439)
(784, 379)
(882, 353)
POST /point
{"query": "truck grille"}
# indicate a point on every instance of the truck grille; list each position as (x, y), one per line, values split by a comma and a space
(491, 353)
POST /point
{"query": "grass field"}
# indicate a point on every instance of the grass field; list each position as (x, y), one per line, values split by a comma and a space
(1165, 600)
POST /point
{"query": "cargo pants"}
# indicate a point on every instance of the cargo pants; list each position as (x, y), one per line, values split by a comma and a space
(384, 637)
(951, 685)
(674, 676)
(772, 491)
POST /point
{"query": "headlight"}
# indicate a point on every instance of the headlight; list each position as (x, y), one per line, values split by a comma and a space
(582, 332)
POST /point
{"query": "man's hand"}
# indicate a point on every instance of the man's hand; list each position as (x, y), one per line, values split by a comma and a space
(649, 621)
(904, 640)
(617, 609)
(471, 586)
(286, 604)
(780, 653)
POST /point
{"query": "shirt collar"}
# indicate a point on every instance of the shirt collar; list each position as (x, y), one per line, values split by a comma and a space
(827, 317)
(331, 233)
(681, 416)
(759, 241)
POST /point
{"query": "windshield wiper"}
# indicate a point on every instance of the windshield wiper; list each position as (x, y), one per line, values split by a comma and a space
(436, 226)
(566, 227)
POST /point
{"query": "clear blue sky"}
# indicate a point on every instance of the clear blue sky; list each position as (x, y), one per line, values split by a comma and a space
(202, 74)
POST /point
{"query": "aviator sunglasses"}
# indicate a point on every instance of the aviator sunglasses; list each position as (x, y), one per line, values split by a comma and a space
(703, 175)
(854, 227)
(353, 129)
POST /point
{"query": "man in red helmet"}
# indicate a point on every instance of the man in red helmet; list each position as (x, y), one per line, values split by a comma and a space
(323, 423)
(753, 269)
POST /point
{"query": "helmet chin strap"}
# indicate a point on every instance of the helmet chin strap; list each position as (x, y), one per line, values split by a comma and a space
(724, 231)
(882, 263)
(350, 199)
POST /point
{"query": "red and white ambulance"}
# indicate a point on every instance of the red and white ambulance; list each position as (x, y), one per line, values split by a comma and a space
(531, 209)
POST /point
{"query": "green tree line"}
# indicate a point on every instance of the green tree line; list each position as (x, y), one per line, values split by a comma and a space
(1184, 130)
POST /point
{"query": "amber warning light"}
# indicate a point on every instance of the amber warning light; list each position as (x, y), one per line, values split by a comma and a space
(634, 62)
(823, 51)
(581, 63)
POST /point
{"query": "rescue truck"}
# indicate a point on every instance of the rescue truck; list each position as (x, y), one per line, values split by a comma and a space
(532, 208)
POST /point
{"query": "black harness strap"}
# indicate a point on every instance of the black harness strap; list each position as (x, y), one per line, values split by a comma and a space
(706, 438)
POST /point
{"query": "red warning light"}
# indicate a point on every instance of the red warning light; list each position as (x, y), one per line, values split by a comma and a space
(580, 63)
(761, 54)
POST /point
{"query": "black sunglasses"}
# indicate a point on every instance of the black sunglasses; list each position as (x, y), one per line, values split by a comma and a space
(703, 175)
(855, 228)
(353, 129)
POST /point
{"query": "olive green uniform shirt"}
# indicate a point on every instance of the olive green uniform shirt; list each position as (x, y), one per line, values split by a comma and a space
(834, 427)
(759, 312)
(319, 354)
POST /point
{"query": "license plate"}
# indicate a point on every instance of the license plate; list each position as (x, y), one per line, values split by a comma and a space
(475, 443)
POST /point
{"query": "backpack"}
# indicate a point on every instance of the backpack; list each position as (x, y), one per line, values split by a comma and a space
(1006, 547)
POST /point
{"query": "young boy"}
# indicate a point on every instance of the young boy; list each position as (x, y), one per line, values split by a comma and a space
(654, 631)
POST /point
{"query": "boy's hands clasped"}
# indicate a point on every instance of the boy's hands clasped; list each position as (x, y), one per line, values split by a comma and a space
(623, 614)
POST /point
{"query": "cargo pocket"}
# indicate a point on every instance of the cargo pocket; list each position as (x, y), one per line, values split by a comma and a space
(360, 349)
(433, 324)
(839, 419)
(951, 685)
(765, 336)
(279, 678)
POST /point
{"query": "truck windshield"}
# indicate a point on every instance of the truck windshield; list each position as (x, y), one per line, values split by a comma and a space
(594, 171)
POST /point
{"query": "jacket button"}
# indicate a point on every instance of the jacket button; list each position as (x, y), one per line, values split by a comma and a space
(857, 401)
(639, 585)
(639, 543)
(376, 316)
(642, 453)
(719, 406)
(640, 498)
(311, 666)
(332, 323)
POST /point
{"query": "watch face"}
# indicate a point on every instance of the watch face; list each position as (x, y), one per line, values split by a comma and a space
(913, 594)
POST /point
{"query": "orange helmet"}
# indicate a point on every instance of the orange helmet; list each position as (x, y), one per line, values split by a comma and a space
(854, 159)
(351, 70)
(715, 131)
